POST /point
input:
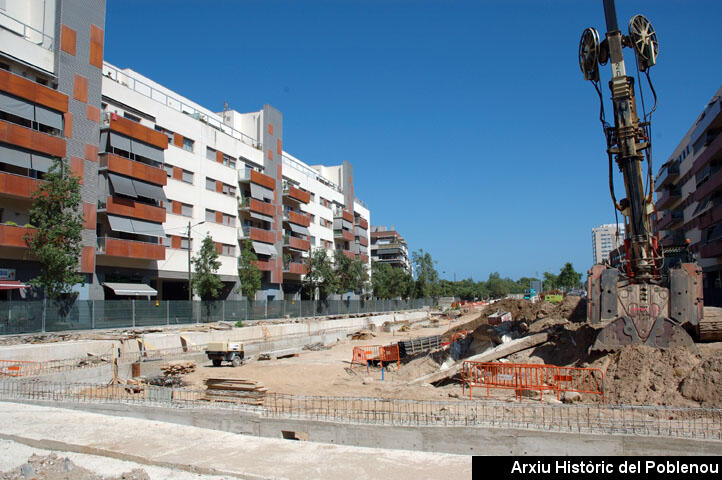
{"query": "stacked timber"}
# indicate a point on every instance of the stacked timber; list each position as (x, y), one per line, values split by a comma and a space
(237, 390)
(178, 368)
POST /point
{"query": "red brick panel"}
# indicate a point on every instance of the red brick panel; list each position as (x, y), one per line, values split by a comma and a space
(262, 207)
(175, 242)
(299, 243)
(219, 186)
(24, 88)
(363, 223)
(270, 154)
(177, 173)
(80, 88)
(96, 46)
(260, 235)
(130, 208)
(87, 259)
(89, 216)
(68, 124)
(177, 140)
(31, 139)
(91, 153)
(138, 170)
(17, 186)
(139, 132)
(347, 215)
(265, 265)
(363, 241)
(270, 129)
(279, 147)
(219, 156)
(300, 195)
(299, 219)
(92, 113)
(263, 180)
(177, 207)
(219, 217)
(115, 247)
(12, 236)
(77, 167)
(67, 40)
(298, 268)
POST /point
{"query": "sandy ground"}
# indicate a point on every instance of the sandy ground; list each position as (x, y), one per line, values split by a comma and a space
(329, 372)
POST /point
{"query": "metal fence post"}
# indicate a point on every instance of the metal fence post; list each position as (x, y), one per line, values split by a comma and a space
(92, 314)
(223, 310)
(45, 308)
(265, 304)
(132, 311)
(167, 312)
(198, 315)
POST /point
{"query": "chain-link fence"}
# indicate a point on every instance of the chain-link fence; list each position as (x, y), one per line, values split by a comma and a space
(677, 422)
(47, 316)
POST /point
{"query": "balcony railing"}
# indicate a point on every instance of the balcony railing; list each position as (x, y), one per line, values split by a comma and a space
(120, 247)
(24, 30)
(667, 175)
(309, 172)
(154, 94)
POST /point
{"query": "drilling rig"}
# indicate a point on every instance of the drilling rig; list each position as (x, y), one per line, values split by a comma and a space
(646, 299)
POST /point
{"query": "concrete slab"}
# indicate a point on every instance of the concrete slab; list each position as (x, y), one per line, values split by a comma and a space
(214, 452)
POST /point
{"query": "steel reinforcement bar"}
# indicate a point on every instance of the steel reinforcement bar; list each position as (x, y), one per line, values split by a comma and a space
(697, 423)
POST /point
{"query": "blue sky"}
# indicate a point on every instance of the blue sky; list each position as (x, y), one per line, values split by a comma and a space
(468, 123)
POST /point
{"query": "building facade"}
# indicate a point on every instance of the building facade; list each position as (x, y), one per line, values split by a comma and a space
(388, 246)
(605, 240)
(158, 171)
(689, 196)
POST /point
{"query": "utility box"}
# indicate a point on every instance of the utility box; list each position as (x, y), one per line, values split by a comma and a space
(225, 351)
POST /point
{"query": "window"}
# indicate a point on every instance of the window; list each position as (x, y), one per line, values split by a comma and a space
(184, 243)
(187, 210)
(131, 117)
(313, 240)
(166, 132)
(169, 206)
(187, 144)
(210, 154)
(313, 196)
(210, 184)
(313, 218)
(229, 220)
(187, 176)
(228, 250)
(231, 161)
(229, 190)
(210, 215)
(168, 169)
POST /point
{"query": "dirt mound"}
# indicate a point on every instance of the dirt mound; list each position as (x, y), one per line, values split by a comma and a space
(642, 375)
(704, 383)
(52, 467)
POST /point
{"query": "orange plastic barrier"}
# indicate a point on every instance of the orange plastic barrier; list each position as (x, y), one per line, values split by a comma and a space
(520, 377)
(19, 368)
(364, 355)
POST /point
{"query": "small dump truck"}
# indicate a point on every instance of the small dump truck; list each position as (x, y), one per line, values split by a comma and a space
(225, 352)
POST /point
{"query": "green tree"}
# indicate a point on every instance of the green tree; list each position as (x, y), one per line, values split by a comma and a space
(551, 282)
(57, 243)
(205, 281)
(568, 277)
(321, 276)
(427, 278)
(389, 282)
(350, 273)
(248, 272)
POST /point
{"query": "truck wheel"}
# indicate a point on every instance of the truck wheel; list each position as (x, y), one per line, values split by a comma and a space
(236, 362)
(216, 363)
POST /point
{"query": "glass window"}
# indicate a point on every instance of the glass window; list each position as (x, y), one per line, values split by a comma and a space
(210, 215)
(187, 144)
(187, 210)
(184, 243)
(229, 220)
(210, 184)
(313, 240)
(169, 206)
(168, 169)
(210, 154)
(187, 176)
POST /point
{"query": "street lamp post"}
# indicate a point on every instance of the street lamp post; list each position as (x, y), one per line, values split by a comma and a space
(190, 287)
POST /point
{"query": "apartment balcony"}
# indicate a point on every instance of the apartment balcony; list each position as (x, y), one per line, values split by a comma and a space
(253, 205)
(710, 153)
(363, 241)
(296, 243)
(126, 207)
(14, 236)
(265, 265)
(364, 258)
(667, 175)
(135, 130)
(349, 254)
(33, 91)
(119, 247)
(343, 235)
(18, 186)
(668, 198)
(295, 268)
(131, 168)
(246, 175)
(296, 195)
(302, 219)
(672, 238)
(31, 139)
(712, 250)
(343, 213)
(710, 217)
(259, 235)
(362, 222)
(712, 184)
(670, 220)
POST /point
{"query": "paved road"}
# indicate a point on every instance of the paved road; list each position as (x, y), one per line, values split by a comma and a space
(213, 452)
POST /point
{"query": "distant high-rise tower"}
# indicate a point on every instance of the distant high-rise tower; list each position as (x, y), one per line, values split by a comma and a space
(605, 239)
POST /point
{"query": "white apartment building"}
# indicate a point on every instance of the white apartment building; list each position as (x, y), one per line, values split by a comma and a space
(227, 176)
(605, 239)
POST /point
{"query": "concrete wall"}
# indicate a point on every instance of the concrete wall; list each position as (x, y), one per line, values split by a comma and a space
(458, 440)
(258, 338)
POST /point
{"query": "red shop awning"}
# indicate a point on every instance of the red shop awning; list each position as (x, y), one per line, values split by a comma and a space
(11, 285)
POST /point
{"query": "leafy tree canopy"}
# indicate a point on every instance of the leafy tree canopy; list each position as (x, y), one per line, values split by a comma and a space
(205, 281)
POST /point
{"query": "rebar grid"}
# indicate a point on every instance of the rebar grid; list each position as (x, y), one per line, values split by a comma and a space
(679, 422)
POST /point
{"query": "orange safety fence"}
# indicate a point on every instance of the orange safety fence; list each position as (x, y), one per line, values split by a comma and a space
(365, 354)
(19, 368)
(520, 377)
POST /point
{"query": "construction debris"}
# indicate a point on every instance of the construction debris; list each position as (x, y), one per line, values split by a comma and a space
(488, 356)
(362, 335)
(178, 368)
(235, 390)
(315, 347)
(418, 345)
